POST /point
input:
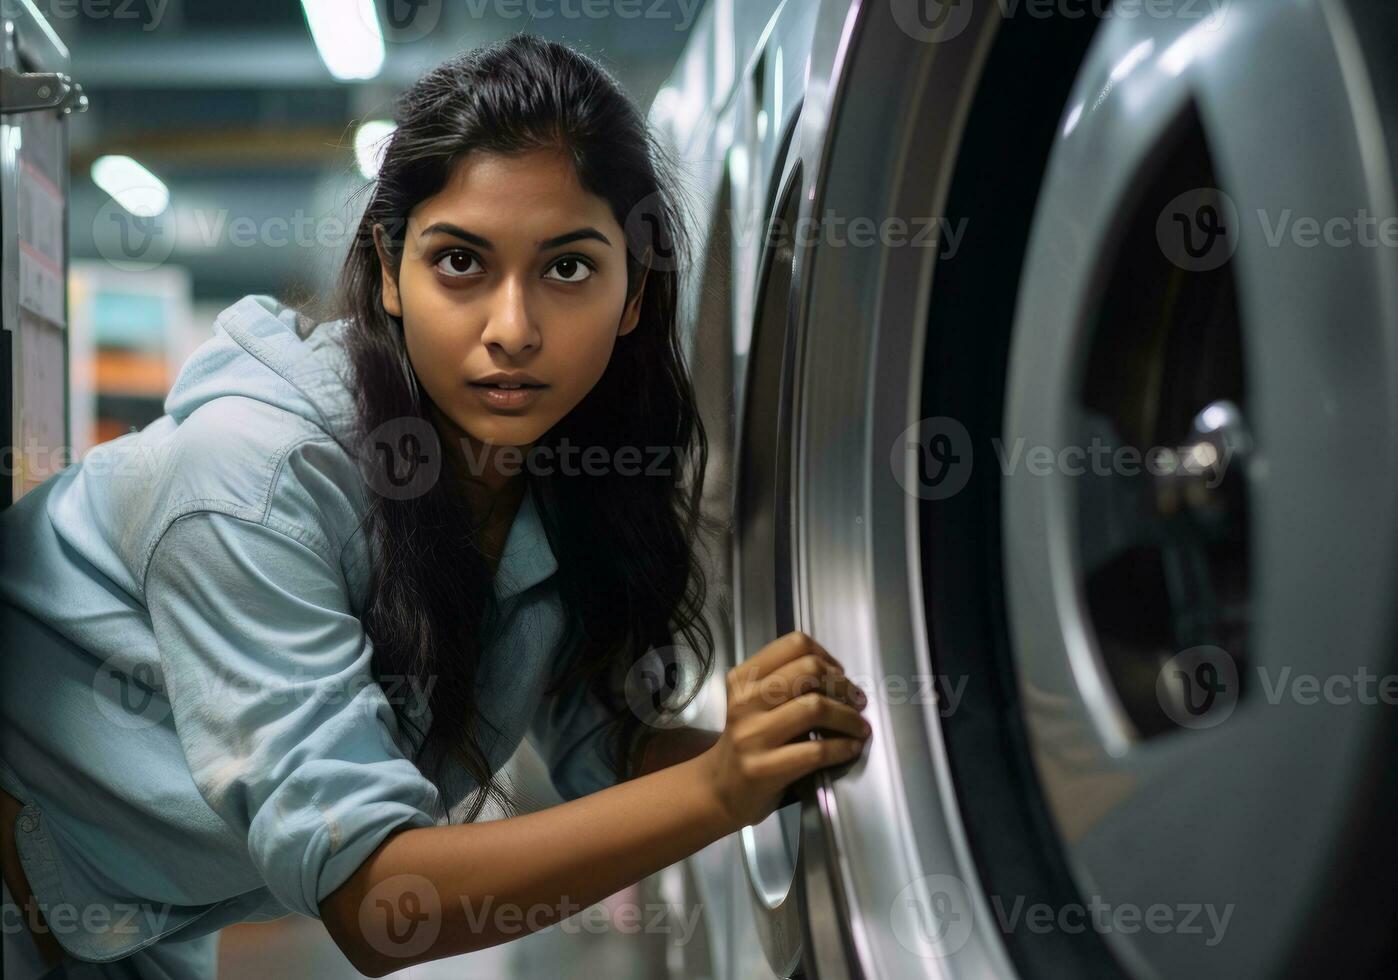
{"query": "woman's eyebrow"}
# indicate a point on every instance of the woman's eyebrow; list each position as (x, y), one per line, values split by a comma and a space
(446, 227)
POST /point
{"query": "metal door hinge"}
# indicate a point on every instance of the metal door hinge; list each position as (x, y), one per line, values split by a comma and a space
(31, 91)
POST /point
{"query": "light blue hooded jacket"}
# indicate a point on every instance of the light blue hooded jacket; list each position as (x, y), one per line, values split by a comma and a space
(186, 703)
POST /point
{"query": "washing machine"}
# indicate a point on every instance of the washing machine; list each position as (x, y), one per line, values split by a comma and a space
(1047, 352)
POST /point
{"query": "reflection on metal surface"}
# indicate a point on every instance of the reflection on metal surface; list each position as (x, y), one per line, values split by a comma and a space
(1162, 528)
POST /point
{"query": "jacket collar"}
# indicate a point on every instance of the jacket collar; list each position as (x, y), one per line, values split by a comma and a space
(527, 558)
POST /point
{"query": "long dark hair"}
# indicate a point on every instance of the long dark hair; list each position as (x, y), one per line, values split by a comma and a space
(628, 574)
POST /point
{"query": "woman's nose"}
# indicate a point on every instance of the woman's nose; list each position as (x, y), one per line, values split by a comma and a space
(510, 325)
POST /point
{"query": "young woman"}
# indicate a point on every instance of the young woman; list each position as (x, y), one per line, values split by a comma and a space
(266, 654)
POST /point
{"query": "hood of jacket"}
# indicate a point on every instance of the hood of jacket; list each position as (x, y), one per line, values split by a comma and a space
(256, 351)
(111, 507)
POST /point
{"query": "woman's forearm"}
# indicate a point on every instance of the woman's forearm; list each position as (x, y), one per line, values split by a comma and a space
(671, 746)
(433, 892)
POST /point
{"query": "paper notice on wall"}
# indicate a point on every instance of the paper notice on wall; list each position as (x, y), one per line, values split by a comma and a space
(40, 451)
(39, 204)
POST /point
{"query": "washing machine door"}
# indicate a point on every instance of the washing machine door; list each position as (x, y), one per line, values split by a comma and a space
(1199, 527)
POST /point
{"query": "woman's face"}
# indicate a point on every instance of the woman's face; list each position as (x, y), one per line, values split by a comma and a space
(512, 267)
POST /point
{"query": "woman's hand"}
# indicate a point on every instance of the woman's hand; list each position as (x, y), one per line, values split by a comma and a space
(789, 688)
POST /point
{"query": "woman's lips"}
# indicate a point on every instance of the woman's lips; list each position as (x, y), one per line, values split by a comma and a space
(506, 397)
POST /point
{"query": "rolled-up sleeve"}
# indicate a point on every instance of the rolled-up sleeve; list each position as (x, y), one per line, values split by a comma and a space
(569, 730)
(287, 735)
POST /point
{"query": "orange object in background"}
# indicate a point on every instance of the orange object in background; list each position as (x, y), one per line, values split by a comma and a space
(131, 386)
(105, 429)
(128, 372)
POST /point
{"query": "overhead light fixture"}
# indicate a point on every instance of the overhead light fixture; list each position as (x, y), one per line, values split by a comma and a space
(370, 142)
(347, 35)
(131, 185)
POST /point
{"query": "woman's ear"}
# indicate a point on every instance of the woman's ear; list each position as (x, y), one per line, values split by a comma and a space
(392, 302)
(632, 314)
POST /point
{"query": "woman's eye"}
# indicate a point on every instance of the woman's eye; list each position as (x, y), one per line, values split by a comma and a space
(455, 264)
(570, 267)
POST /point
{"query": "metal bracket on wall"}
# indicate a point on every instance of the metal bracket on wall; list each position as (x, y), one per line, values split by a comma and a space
(31, 91)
